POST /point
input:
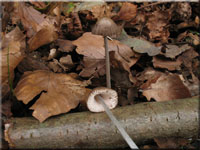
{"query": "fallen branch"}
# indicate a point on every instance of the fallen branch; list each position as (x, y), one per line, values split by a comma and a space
(144, 121)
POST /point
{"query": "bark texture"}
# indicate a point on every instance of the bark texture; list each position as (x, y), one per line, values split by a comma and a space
(144, 121)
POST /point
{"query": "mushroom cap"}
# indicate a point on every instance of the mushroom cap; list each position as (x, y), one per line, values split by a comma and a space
(106, 27)
(110, 98)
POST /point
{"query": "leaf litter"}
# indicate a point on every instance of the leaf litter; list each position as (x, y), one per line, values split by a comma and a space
(156, 53)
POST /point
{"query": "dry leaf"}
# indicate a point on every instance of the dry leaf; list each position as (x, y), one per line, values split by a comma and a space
(157, 22)
(127, 12)
(32, 20)
(74, 27)
(14, 35)
(97, 8)
(55, 67)
(62, 92)
(173, 50)
(93, 67)
(183, 10)
(66, 60)
(166, 63)
(139, 45)
(166, 87)
(13, 49)
(64, 45)
(193, 85)
(45, 36)
(187, 57)
(31, 62)
(95, 51)
(40, 5)
(6, 108)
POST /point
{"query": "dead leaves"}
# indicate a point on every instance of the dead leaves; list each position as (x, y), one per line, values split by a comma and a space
(12, 54)
(127, 12)
(139, 45)
(157, 25)
(165, 87)
(173, 50)
(60, 92)
(94, 53)
(45, 36)
(40, 28)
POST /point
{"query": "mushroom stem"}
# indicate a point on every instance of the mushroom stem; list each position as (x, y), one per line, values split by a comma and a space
(124, 134)
(108, 79)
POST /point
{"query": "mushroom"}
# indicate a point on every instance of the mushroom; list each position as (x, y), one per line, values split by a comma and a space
(109, 96)
(107, 27)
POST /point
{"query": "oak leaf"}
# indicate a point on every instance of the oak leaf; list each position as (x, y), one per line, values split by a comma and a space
(62, 92)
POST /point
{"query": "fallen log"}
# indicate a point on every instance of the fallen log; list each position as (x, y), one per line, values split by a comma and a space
(144, 121)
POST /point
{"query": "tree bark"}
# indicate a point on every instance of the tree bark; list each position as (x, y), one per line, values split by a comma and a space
(144, 121)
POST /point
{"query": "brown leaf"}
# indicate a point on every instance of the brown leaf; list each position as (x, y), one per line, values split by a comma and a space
(157, 22)
(95, 50)
(14, 35)
(192, 85)
(66, 60)
(6, 108)
(31, 62)
(96, 8)
(139, 45)
(64, 45)
(63, 92)
(183, 10)
(40, 5)
(93, 67)
(32, 20)
(127, 12)
(87, 47)
(74, 27)
(173, 50)
(13, 49)
(187, 57)
(166, 63)
(45, 36)
(54, 66)
(166, 87)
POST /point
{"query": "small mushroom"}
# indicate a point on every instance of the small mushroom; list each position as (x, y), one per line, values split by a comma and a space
(110, 98)
(107, 27)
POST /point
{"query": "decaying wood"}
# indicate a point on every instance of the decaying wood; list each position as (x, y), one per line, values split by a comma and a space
(144, 121)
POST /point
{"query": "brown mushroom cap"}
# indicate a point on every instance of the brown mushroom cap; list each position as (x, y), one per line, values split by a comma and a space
(106, 27)
(110, 98)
